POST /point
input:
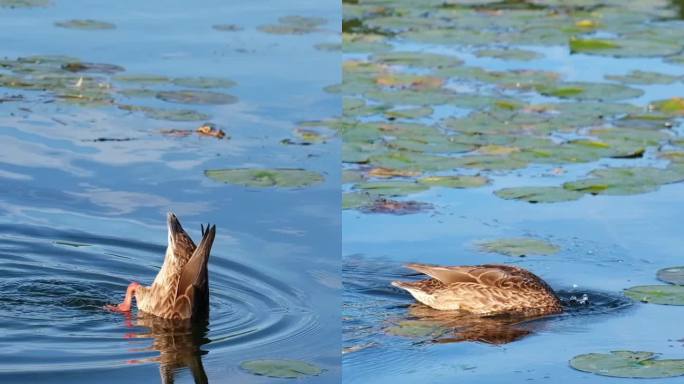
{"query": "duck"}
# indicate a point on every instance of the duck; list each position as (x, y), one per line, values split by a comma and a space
(181, 288)
(483, 290)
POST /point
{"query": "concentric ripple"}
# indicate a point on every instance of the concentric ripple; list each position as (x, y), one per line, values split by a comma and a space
(54, 285)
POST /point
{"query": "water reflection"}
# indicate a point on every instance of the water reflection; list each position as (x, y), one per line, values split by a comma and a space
(178, 342)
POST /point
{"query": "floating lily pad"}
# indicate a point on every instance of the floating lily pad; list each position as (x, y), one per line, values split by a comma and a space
(589, 91)
(628, 364)
(167, 114)
(644, 77)
(391, 188)
(417, 59)
(79, 66)
(294, 25)
(196, 97)
(657, 294)
(286, 369)
(625, 181)
(24, 3)
(673, 106)
(203, 82)
(86, 24)
(227, 27)
(591, 45)
(519, 247)
(262, 177)
(354, 200)
(454, 181)
(538, 194)
(672, 275)
(143, 79)
(410, 113)
(508, 54)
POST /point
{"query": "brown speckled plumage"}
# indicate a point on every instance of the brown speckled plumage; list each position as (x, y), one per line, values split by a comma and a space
(181, 288)
(483, 290)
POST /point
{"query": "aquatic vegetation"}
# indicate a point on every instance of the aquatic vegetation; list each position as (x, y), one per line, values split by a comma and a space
(518, 247)
(263, 177)
(294, 25)
(227, 27)
(657, 294)
(538, 194)
(196, 97)
(24, 3)
(85, 24)
(672, 275)
(287, 369)
(628, 364)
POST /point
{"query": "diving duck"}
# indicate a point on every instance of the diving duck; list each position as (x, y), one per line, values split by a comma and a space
(181, 288)
(489, 289)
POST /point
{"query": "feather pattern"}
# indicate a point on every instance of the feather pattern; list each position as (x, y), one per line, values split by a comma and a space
(181, 288)
(483, 289)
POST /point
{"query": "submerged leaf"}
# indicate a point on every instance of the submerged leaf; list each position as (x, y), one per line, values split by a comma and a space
(628, 364)
(290, 369)
(262, 177)
(518, 246)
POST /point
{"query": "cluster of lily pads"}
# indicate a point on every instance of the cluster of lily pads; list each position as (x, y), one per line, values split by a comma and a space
(413, 120)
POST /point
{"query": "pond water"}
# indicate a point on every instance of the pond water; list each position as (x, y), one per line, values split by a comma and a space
(457, 168)
(92, 160)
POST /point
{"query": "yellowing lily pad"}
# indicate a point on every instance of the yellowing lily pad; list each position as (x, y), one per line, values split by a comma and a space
(85, 24)
(262, 177)
(672, 275)
(518, 247)
(657, 294)
(287, 369)
(628, 364)
(463, 181)
(673, 106)
(538, 194)
(590, 45)
(196, 97)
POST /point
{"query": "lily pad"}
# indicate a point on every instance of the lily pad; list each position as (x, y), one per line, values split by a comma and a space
(508, 54)
(657, 294)
(454, 181)
(395, 207)
(672, 275)
(538, 194)
(391, 188)
(673, 106)
(519, 247)
(203, 82)
(589, 91)
(644, 77)
(167, 114)
(142, 79)
(628, 364)
(85, 24)
(625, 181)
(196, 97)
(294, 25)
(24, 3)
(286, 369)
(262, 177)
(227, 27)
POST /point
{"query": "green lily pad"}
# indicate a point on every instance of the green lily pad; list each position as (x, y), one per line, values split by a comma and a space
(454, 181)
(355, 200)
(672, 275)
(227, 27)
(519, 247)
(85, 24)
(657, 294)
(286, 369)
(417, 59)
(538, 194)
(203, 82)
(589, 91)
(410, 113)
(294, 25)
(590, 45)
(628, 364)
(167, 114)
(644, 77)
(625, 181)
(262, 177)
(391, 188)
(196, 97)
(142, 79)
(24, 3)
(508, 54)
(673, 106)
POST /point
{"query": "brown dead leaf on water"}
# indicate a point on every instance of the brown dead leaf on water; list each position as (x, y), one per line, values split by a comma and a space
(209, 129)
(396, 207)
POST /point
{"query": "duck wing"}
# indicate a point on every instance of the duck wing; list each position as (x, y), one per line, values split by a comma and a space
(488, 275)
(192, 294)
